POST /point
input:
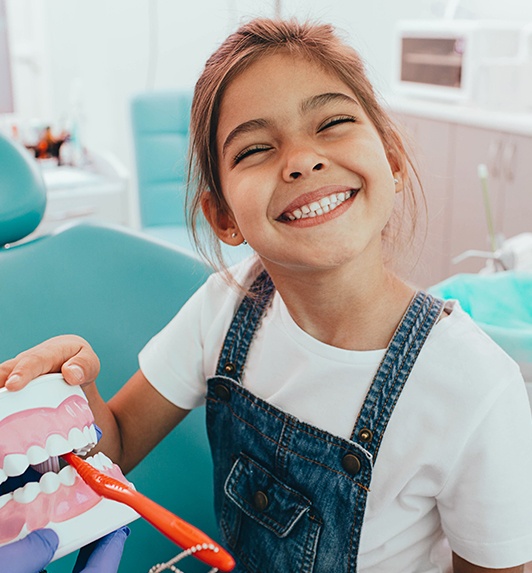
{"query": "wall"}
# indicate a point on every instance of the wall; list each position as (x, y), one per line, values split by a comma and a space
(90, 57)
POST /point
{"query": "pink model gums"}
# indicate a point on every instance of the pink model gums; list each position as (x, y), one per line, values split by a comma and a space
(38, 424)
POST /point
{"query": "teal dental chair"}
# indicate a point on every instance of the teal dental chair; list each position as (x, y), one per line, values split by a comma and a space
(116, 289)
(159, 122)
(160, 131)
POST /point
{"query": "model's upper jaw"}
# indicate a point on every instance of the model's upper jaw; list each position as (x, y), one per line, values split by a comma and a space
(38, 424)
(38, 427)
(309, 206)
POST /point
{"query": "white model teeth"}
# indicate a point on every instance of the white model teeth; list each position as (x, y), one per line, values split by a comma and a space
(100, 461)
(76, 439)
(44, 459)
(27, 494)
(324, 205)
(37, 455)
(5, 498)
(49, 483)
(56, 445)
(67, 476)
(15, 464)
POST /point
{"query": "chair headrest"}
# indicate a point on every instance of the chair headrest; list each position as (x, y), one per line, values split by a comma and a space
(22, 192)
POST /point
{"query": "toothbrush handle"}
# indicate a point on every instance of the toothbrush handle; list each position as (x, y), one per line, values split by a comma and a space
(177, 530)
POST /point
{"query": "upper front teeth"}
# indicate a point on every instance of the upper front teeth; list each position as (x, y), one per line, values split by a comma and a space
(81, 441)
(324, 205)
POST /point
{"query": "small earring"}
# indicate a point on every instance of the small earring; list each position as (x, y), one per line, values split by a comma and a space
(244, 242)
(234, 235)
(395, 180)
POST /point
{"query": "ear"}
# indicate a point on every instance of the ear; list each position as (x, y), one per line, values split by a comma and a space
(399, 169)
(220, 220)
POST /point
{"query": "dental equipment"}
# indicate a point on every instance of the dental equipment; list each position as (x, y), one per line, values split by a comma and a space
(514, 253)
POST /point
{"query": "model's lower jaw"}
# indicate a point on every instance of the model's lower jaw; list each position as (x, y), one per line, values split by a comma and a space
(319, 208)
(56, 498)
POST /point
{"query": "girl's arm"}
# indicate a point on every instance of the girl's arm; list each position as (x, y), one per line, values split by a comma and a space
(462, 566)
(133, 421)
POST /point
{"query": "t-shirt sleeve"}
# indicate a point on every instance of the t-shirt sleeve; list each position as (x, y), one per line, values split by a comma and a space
(486, 504)
(178, 360)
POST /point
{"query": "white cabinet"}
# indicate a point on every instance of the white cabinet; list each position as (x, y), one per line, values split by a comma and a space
(508, 158)
(516, 193)
(97, 192)
(448, 155)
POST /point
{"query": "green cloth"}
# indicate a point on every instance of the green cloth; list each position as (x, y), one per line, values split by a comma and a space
(500, 303)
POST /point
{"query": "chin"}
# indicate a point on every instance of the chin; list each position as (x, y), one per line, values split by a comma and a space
(38, 424)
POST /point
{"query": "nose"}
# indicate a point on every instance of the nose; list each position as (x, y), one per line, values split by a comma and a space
(302, 162)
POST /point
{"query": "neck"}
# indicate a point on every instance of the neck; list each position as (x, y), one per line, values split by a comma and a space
(346, 308)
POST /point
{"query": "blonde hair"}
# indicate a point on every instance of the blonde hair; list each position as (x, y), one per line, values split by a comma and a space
(252, 41)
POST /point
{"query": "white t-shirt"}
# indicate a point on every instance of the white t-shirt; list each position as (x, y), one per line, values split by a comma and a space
(456, 458)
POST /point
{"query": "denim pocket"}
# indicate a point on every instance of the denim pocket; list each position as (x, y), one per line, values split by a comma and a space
(268, 525)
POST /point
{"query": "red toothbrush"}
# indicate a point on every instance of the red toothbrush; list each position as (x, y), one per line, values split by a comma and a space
(175, 528)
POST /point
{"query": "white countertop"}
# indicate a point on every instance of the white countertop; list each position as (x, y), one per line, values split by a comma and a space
(518, 123)
(65, 177)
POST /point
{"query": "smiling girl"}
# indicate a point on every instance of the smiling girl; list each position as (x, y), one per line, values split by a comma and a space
(356, 424)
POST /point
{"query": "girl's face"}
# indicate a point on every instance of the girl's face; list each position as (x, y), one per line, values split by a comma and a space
(302, 168)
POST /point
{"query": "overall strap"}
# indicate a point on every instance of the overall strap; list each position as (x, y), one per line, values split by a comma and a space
(392, 374)
(245, 322)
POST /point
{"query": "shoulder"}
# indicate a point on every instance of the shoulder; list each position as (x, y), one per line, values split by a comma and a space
(224, 291)
(462, 373)
(457, 343)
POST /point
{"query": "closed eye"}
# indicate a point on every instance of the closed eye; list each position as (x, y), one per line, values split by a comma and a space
(337, 121)
(249, 151)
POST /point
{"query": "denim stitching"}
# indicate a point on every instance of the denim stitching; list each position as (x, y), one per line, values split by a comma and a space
(399, 359)
(345, 445)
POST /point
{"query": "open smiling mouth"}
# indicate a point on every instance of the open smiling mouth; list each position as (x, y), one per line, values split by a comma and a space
(38, 424)
(321, 207)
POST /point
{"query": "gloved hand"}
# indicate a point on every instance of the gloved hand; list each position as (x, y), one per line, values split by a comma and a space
(29, 555)
(34, 552)
(103, 555)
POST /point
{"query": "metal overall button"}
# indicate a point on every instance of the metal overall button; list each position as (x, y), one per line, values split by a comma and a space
(365, 435)
(222, 392)
(260, 501)
(351, 464)
(229, 368)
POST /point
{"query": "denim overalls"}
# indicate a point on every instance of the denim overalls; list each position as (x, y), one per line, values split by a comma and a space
(289, 497)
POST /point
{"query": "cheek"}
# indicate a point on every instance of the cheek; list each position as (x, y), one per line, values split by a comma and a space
(247, 196)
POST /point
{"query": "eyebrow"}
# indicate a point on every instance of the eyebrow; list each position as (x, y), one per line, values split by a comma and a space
(246, 127)
(307, 105)
(323, 99)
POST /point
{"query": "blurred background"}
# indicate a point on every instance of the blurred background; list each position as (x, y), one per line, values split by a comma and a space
(76, 63)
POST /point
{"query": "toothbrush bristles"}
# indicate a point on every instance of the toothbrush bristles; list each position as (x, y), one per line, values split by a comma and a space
(50, 465)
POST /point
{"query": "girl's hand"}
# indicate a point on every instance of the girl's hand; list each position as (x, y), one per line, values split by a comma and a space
(69, 354)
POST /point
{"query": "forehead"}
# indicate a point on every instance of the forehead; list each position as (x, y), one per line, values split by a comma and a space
(274, 83)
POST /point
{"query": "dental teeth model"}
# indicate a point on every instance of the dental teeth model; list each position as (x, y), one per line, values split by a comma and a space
(38, 424)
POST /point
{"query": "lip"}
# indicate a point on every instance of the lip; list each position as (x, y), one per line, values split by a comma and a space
(316, 196)
(43, 420)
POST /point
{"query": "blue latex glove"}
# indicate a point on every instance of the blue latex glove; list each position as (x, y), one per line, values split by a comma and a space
(103, 555)
(29, 555)
(34, 552)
